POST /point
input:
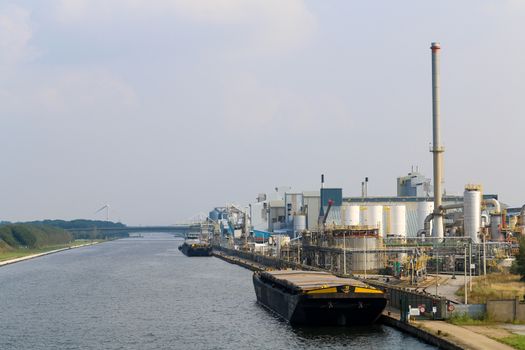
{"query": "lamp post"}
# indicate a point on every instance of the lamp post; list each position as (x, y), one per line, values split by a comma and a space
(344, 253)
(437, 267)
(465, 277)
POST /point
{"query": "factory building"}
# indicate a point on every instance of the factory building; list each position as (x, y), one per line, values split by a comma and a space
(414, 184)
(312, 206)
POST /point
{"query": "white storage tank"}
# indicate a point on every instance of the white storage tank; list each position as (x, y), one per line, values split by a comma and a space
(299, 223)
(351, 215)
(363, 215)
(423, 210)
(398, 223)
(374, 217)
(472, 214)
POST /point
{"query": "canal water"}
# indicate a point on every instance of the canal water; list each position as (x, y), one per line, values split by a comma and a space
(142, 293)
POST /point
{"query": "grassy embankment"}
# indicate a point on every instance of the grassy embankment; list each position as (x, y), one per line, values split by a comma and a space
(494, 286)
(18, 240)
(21, 252)
(491, 287)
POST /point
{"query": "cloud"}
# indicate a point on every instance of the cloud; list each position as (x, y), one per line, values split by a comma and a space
(69, 97)
(252, 105)
(86, 91)
(272, 25)
(278, 25)
(15, 35)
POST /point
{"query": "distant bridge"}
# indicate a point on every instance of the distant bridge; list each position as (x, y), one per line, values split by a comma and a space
(177, 230)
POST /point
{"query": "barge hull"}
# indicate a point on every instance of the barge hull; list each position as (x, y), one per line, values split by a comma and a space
(333, 309)
(188, 250)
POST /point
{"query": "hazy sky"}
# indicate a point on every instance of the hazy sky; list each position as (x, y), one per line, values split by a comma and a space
(167, 108)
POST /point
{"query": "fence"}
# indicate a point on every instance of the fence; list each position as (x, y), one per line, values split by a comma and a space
(509, 310)
(476, 311)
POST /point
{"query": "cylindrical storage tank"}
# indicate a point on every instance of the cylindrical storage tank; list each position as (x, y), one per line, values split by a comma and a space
(363, 215)
(398, 223)
(345, 214)
(472, 214)
(495, 227)
(364, 255)
(374, 217)
(351, 215)
(299, 223)
(423, 210)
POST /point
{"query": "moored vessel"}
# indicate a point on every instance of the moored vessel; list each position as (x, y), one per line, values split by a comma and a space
(318, 298)
(195, 248)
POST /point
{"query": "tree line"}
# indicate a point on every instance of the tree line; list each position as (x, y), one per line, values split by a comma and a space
(38, 234)
(32, 236)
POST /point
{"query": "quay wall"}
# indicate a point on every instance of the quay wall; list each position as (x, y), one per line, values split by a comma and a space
(266, 261)
(419, 333)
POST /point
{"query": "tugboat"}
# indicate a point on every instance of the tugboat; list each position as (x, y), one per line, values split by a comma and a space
(318, 298)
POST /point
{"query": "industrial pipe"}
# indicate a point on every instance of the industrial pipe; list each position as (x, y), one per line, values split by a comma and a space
(426, 225)
(446, 207)
(495, 219)
(494, 203)
(441, 210)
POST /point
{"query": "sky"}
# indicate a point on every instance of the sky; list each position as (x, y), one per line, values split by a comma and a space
(167, 108)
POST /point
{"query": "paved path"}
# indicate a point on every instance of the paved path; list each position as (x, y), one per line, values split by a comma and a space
(463, 337)
(449, 286)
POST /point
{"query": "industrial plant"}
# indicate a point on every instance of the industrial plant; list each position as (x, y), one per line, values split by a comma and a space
(419, 231)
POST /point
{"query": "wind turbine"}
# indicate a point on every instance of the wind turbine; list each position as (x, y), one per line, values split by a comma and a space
(106, 206)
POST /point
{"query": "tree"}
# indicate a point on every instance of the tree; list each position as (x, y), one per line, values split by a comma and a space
(518, 266)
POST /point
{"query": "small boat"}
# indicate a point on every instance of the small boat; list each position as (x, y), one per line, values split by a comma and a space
(318, 298)
(195, 248)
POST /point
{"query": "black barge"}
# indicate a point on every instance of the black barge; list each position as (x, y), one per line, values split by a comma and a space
(195, 248)
(318, 298)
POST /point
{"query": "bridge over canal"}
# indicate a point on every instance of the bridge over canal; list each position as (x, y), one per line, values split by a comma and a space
(177, 230)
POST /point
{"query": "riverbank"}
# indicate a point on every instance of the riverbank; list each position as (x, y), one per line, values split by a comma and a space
(21, 255)
(438, 333)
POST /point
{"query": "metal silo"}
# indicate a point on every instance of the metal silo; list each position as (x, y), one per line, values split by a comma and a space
(375, 217)
(351, 215)
(363, 215)
(398, 224)
(472, 213)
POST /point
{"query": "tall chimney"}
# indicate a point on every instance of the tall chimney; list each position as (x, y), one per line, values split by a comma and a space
(437, 149)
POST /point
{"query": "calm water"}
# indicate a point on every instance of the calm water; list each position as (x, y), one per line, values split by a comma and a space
(143, 293)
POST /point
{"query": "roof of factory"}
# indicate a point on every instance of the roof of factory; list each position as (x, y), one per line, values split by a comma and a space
(382, 199)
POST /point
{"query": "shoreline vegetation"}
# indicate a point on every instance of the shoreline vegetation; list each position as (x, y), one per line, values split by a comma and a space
(19, 240)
